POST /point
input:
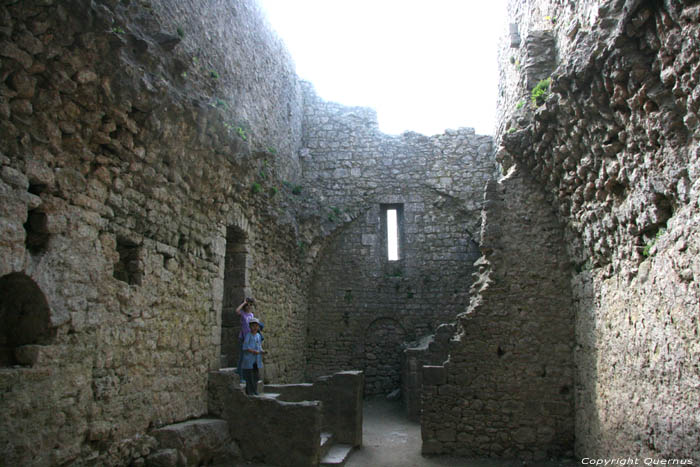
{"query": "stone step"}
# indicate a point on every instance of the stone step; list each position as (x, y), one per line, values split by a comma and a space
(233, 375)
(194, 442)
(221, 382)
(230, 372)
(326, 443)
(337, 455)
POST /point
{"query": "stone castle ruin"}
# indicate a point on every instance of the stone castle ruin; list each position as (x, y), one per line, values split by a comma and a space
(161, 161)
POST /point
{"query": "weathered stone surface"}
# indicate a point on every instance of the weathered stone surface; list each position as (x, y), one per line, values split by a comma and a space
(434, 375)
(161, 161)
(430, 350)
(502, 367)
(364, 306)
(613, 147)
(122, 168)
(273, 439)
(165, 458)
(200, 441)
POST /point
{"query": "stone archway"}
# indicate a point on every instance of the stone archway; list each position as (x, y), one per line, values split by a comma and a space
(235, 287)
(25, 318)
(384, 339)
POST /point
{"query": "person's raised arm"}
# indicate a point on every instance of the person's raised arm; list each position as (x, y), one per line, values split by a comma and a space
(240, 307)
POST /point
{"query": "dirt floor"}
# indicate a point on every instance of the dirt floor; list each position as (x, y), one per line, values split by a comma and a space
(391, 440)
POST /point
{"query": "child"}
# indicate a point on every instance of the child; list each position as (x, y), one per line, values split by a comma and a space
(252, 357)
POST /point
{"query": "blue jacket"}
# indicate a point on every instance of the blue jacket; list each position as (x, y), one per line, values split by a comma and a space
(252, 341)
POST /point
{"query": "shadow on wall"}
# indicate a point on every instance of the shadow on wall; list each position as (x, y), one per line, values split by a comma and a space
(383, 350)
(586, 360)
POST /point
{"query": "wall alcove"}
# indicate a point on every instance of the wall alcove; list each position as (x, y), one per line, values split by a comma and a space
(25, 318)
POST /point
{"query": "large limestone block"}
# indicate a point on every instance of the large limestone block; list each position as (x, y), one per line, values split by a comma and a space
(200, 441)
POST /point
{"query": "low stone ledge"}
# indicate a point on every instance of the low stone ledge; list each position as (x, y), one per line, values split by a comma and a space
(200, 442)
(219, 384)
(342, 398)
(293, 428)
(292, 392)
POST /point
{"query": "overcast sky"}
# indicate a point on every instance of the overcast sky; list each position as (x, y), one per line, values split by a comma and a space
(423, 66)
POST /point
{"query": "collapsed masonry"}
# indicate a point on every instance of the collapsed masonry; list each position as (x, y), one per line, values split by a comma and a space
(160, 162)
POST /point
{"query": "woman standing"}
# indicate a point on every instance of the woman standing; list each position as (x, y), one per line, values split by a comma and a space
(245, 311)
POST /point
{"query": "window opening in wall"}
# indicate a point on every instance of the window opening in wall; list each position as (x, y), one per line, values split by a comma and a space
(25, 318)
(392, 231)
(235, 284)
(37, 232)
(129, 268)
(392, 219)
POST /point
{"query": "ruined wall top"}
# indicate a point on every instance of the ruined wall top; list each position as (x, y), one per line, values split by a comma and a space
(543, 34)
(245, 68)
(344, 143)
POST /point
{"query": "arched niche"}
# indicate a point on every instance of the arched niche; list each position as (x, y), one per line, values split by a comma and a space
(25, 318)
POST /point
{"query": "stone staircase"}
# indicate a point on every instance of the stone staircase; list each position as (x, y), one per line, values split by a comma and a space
(333, 454)
(308, 424)
(207, 442)
(304, 425)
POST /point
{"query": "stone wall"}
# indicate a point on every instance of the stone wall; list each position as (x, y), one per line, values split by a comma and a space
(364, 307)
(543, 34)
(508, 385)
(615, 145)
(341, 401)
(160, 160)
(293, 422)
(612, 143)
(134, 136)
(432, 350)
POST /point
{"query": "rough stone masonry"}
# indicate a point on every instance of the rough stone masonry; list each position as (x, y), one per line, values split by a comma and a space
(161, 160)
(603, 365)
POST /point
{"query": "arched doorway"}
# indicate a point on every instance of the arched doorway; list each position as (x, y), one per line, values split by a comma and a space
(383, 347)
(25, 318)
(235, 285)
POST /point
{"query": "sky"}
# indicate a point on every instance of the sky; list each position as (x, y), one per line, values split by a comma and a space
(423, 66)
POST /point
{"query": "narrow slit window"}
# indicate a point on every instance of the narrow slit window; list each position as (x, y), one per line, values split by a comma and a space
(392, 231)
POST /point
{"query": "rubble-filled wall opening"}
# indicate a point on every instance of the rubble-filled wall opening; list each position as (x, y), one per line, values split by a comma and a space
(384, 341)
(25, 317)
(235, 285)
